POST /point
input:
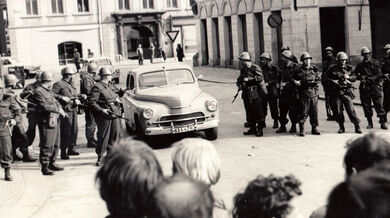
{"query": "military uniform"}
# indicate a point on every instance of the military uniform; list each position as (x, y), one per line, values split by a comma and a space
(271, 77)
(330, 96)
(69, 124)
(251, 82)
(371, 88)
(386, 86)
(32, 115)
(86, 84)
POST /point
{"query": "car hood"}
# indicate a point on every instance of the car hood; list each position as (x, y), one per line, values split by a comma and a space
(175, 97)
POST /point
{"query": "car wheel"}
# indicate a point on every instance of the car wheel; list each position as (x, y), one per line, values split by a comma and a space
(211, 134)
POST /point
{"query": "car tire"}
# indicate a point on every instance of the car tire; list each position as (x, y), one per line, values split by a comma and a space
(211, 134)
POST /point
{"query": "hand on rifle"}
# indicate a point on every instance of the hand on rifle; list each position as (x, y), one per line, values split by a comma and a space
(65, 99)
(106, 111)
(62, 113)
(11, 122)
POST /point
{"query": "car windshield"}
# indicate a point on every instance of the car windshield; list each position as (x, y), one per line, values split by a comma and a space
(168, 77)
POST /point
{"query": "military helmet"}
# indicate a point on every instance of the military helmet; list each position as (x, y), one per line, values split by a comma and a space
(46, 76)
(10, 80)
(329, 49)
(284, 48)
(342, 56)
(365, 50)
(244, 56)
(38, 76)
(67, 71)
(105, 71)
(92, 67)
(266, 56)
(387, 47)
(287, 54)
(305, 55)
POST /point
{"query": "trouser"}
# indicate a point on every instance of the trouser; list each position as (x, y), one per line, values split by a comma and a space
(273, 106)
(77, 66)
(5, 151)
(247, 110)
(386, 97)
(49, 143)
(19, 139)
(108, 134)
(141, 60)
(345, 102)
(288, 105)
(329, 102)
(90, 126)
(309, 108)
(69, 130)
(255, 111)
(366, 97)
(32, 123)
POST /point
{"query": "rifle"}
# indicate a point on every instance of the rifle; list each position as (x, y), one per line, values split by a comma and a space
(235, 96)
(35, 105)
(117, 116)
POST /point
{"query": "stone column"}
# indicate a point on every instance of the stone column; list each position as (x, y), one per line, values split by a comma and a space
(210, 41)
(250, 36)
(160, 32)
(119, 29)
(222, 43)
(236, 42)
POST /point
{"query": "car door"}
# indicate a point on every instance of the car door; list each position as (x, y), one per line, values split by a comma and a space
(128, 99)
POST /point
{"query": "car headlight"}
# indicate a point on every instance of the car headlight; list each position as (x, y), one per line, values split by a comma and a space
(212, 105)
(147, 113)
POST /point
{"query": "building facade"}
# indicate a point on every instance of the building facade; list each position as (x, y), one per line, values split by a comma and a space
(228, 27)
(46, 32)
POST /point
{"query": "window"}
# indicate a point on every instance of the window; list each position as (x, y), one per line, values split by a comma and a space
(57, 7)
(83, 5)
(172, 4)
(32, 7)
(148, 3)
(124, 4)
(162, 78)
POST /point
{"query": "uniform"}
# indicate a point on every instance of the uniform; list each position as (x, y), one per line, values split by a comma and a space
(386, 85)
(271, 77)
(77, 58)
(330, 96)
(86, 84)
(32, 116)
(69, 124)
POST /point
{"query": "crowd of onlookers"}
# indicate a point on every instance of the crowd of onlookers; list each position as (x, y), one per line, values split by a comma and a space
(132, 184)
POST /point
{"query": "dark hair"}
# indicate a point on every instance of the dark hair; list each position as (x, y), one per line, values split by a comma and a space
(365, 151)
(364, 195)
(266, 197)
(129, 173)
(181, 196)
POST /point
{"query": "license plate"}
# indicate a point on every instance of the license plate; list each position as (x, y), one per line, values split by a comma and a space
(184, 129)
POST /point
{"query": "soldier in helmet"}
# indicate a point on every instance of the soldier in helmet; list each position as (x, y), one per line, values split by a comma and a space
(307, 79)
(19, 137)
(341, 79)
(68, 97)
(369, 72)
(48, 110)
(271, 78)
(330, 96)
(287, 48)
(105, 103)
(87, 81)
(32, 115)
(254, 91)
(386, 84)
(288, 99)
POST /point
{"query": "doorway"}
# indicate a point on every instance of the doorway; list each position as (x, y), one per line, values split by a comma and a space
(242, 35)
(228, 41)
(66, 52)
(204, 44)
(332, 22)
(380, 20)
(259, 36)
(215, 38)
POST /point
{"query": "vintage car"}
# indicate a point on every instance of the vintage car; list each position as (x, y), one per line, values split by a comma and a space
(10, 63)
(103, 62)
(166, 99)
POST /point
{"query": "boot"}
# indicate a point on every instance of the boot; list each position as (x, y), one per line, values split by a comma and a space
(301, 129)
(293, 128)
(28, 158)
(16, 156)
(246, 125)
(7, 174)
(53, 166)
(357, 129)
(251, 131)
(263, 124)
(370, 125)
(383, 122)
(342, 128)
(64, 155)
(276, 124)
(384, 125)
(91, 144)
(46, 171)
(99, 161)
(259, 130)
(314, 131)
(282, 129)
(72, 151)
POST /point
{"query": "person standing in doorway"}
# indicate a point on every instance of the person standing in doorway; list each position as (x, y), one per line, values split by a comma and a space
(77, 59)
(140, 53)
(151, 51)
(179, 52)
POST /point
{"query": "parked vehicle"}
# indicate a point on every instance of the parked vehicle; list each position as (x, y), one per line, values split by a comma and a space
(166, 99)
(103, 62)
(11, 63)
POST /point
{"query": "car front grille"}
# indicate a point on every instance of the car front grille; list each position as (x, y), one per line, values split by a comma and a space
(182, 119)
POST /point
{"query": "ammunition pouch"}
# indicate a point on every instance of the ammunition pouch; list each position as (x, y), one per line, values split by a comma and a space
(253, 93)
(52, 120)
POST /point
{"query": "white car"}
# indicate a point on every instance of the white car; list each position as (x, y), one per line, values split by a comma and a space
(10, 63)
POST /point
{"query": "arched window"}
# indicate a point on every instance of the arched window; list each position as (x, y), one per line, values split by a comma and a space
(66, 51)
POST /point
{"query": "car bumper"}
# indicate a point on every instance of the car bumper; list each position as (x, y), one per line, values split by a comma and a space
(170, 130)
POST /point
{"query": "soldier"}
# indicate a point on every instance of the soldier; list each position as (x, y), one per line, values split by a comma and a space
(105, 104)
(87, 81)
(340, 79)
(271, 79)
(9, 113)
(69, 124)
(254, 91)
(19, 137)
(386, 84)
(288, 98)
(369, 72)
(77, 59)
(32, 115)
(329, 95)
(307, 78)
(286, 48)
(49, 110)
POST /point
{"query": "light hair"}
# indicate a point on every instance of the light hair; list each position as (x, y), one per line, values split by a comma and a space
(198, 159)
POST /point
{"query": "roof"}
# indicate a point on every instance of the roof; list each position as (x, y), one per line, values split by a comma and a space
(159, 66)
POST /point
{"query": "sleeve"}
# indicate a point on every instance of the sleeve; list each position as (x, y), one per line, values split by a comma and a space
(94, 97)
(41, 101)
(15, 110)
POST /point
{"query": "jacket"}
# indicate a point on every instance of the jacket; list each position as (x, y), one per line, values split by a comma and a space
(309, 79)
(64, 88)
(104, 96)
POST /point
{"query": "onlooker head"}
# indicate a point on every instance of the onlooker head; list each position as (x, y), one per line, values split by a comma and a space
(129, 173)
(181, 197)
(198, 159)
(365, 151)
(267, 197)
(364, 195)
